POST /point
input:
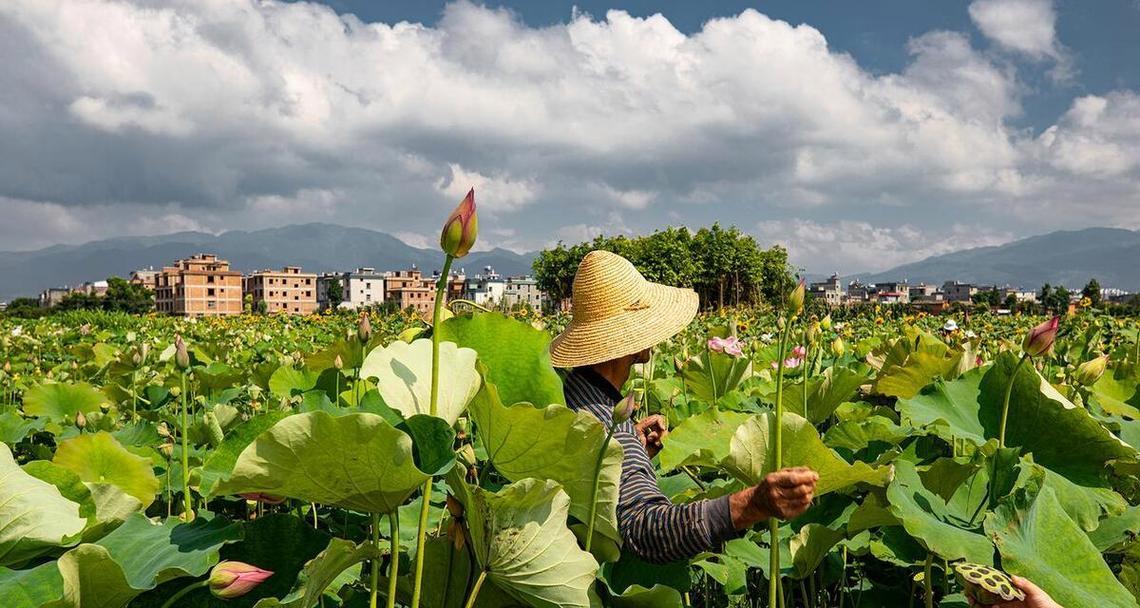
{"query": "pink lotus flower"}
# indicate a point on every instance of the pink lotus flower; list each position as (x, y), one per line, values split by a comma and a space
(729, 346)
(1039, 341)
(799, 352)
(461, 228)
(789, 363)
(235, 579)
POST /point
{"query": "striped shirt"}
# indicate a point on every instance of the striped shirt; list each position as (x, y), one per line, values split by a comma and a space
(653, 528)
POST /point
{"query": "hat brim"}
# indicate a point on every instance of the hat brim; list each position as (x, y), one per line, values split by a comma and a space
(670, 310)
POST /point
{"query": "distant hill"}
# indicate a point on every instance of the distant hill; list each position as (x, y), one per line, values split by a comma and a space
(315, 247)
(1067, 257)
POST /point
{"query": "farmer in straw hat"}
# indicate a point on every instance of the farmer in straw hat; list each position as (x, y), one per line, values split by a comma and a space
(617, 317)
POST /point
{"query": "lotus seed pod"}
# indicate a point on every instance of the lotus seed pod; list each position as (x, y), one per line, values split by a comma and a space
(986, 585)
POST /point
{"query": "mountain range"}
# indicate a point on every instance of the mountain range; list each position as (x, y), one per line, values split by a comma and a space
(1070, 258)
(315, 247)
(1067, 257)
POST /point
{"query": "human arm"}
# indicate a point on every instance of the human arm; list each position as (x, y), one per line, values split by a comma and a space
(1035, 597)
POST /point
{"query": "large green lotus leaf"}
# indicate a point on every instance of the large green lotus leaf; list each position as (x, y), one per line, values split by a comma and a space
(320, 572)
(701, 440)
(288, 381)
(357, 461)
(100, 458)
(810, 546)
(711, 373)
(13, 427)
(104, 505)
(948, 408)
(1060, 435)
(749, 458)
(1117, 532)
(221, 461)
(1116, 394)
(516, 356)
(1083, 504)
(914, 361)
(92, 579)
(1038, 541)
(447, 586)
(553, 443)
(825, 392)
(873, 512)
(58, 400)
(403, 377)
(150, 554)
(34, 515)
(658, 596)
(33, 588)
(857, 435)
(519, 537)
(926, 517)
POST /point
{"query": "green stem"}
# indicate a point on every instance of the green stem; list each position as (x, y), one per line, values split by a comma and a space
(185, 453)
(475, 589)
(597, 482)
(1005, 401)
(843, 579)
(374, 582)
(927, 575)
(712, 375)
(187, 589)
(394, 566)
(777, 461)
(421, 534)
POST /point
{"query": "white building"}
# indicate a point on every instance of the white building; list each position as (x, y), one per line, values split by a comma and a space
(486, 289)
(830, 291)
(520, 291)
(360, 288)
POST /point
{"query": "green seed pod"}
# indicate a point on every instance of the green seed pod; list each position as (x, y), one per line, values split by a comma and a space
(214, 429)
(985, 584)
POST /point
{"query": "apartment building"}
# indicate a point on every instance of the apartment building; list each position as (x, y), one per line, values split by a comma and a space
(144, 277)
(892, 292)
(52, 296)
(486, 289)
(201, 285)
(92, 288)
(522, 291)
(409, 289)
(956, 291)
(830, 291)
(358, 289)
(287, 290)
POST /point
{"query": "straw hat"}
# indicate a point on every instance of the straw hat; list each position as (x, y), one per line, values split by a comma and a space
(617, 312)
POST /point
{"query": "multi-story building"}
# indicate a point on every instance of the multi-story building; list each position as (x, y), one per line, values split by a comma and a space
(287, 290)
(92, 288)
(201, 285)
(892, 292)
(53, 295)
(144, 277)
(925, 292)
(858, 292)
(360, 288)
(830, 291)
(409, 289)
(956, 291)
(486, 289)
(522, 291)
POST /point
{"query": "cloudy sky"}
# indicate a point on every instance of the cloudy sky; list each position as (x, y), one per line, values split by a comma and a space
(859, 134)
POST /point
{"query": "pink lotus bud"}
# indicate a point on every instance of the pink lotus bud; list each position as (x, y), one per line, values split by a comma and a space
(181, 355)
(235, 579)
(792, 363)
(796, 299)
(269, 499)
(364, 329)
(338, 362)
(1039, 340)
(461, 228)
(624, 409)
(799, 352)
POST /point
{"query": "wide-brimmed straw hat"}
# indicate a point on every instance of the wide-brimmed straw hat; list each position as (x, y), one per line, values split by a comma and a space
(616, 312)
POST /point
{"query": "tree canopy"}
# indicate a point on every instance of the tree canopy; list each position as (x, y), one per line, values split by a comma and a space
(724, 266)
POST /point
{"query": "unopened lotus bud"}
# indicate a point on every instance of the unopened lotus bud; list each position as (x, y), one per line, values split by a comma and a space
(136, 359)
(813, 332)
(74, 365)
(80, 420)
(1090, 371)
(624, 409)
(461, 228)
(838, 347)
(167, 450)
(338, 363)
(181, 354)
(796, 299)
(231, 579)
(781, 323)
(364, 329)
(826, 322)
(1039, 341)
(466, 455)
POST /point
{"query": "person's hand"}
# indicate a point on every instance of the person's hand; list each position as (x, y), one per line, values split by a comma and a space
(1035, 597)
(651, 430)
(785, 494)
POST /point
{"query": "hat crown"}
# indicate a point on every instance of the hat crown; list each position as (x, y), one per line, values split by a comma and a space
(606, 284)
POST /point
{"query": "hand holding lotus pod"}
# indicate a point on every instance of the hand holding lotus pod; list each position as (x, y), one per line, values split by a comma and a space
(986, 585)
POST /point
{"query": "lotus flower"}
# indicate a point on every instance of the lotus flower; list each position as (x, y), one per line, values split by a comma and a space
(789, 363)
(234, 579)
(796, 299)
(624, 409)
(269, 499)
(1039, 341)
(1090, 371)
(364, 329)
(838, 347)
(461, 228)
(181, 355)
(729, 346)
(799, 352)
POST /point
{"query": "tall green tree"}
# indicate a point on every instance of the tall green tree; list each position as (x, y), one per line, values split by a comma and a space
(124, 296)
(1092, 291)
(335, 294)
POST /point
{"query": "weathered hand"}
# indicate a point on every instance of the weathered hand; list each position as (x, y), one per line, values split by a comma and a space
(1035, 597)
(787, 493)
(651, 430)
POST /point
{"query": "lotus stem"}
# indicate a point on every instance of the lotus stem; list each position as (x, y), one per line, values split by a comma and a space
(374, 581)
(188, 508)
(394, 566)
(926, 582)
(475, 590)
(1005, 401)
(597, 482)
(421, 534)
(181, 592)
(712, 374)
(774, 594)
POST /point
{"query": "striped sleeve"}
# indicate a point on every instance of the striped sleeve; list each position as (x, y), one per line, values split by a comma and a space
(652, 527)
